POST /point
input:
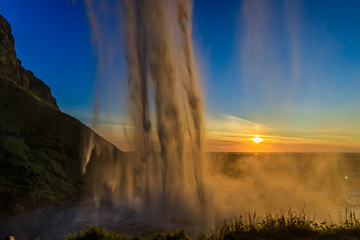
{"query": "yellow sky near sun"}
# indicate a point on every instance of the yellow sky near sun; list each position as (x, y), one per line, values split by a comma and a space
(228, 133)
(225, 133)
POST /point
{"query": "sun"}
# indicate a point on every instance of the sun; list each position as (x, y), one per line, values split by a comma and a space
(257, 139)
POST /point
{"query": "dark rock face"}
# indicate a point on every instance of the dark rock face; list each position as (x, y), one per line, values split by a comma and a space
(11, 68)
(41, 148)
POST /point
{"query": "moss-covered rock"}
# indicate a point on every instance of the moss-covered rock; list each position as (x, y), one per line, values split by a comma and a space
(40, 152)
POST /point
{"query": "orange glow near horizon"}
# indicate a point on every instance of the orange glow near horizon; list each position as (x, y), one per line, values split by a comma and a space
(257, 139)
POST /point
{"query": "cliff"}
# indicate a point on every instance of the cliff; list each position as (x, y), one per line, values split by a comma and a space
(10, 67)
(41, 148)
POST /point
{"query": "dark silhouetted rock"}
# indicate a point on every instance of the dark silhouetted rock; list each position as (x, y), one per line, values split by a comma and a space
(40, 147)
(11, 68)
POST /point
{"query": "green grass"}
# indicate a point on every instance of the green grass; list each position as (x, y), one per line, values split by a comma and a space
(40, 158)
(39, 151)
(284, 226)
(97, 233)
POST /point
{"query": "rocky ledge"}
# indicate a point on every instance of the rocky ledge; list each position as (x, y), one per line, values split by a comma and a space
(10, 66)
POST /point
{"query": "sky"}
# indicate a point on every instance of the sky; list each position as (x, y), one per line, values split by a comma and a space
(287, 70)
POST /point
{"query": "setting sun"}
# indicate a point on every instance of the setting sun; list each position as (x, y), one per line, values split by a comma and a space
(257, 139)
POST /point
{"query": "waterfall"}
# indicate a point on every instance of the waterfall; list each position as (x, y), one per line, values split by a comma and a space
(166, 111)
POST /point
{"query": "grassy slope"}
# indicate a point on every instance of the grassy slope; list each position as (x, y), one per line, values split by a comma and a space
(290, 226)
(39, 150)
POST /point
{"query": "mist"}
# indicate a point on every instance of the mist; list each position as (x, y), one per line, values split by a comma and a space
(179, 168)
(164, 108)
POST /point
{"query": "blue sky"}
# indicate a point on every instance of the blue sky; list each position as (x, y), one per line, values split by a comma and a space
(288, 70)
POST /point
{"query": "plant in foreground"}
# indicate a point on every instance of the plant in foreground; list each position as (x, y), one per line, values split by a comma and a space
(279, 226)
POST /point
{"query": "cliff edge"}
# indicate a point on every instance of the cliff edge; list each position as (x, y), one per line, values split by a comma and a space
(10, 66)
(41, 148)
